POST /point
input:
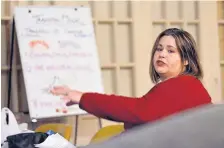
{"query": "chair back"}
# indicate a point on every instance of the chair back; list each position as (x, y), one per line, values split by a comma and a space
(107, 132)
(63, 129)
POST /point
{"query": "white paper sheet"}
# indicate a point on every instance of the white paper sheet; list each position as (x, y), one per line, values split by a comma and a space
(55, 141)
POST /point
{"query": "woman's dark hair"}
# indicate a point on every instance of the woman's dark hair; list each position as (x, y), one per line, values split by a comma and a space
(186, 46)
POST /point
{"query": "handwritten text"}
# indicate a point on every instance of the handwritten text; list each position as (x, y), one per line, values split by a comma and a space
(58, 55)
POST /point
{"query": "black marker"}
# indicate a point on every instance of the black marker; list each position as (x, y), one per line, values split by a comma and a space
(70, 103)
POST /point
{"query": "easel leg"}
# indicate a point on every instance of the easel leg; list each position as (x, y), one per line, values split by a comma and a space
(76, 128)
(100, 123)
(10, 65)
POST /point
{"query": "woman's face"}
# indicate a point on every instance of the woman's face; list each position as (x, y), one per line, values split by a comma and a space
(167, 60)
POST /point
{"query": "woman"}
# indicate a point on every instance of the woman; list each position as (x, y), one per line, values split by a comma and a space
(174, 68)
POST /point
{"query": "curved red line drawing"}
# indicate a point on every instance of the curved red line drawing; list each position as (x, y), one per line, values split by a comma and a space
(33, 43)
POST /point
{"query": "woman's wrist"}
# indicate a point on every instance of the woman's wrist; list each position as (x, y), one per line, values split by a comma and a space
(76, 95)
(80, 97)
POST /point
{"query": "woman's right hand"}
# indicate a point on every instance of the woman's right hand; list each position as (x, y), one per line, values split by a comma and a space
(68, 95)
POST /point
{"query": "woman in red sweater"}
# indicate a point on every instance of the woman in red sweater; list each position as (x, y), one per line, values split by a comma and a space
(176, 71)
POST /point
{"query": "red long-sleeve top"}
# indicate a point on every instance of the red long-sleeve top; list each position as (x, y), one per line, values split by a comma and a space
(166, 98)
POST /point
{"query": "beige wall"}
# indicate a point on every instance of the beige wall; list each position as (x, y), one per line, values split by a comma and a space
(125, 32)
(221, 40)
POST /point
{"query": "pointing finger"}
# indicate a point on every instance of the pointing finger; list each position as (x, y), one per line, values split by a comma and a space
(59, 90)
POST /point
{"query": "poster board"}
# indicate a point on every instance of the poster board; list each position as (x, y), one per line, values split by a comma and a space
(57, 47)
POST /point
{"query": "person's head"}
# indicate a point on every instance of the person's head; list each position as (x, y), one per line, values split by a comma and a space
(174, 53)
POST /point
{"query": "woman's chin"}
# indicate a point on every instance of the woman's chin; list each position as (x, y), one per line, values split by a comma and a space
(161, 70)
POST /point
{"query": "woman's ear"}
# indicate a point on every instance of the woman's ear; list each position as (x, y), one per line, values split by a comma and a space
(185, 62)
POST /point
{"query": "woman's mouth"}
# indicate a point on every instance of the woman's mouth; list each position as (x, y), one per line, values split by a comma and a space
(160, 63)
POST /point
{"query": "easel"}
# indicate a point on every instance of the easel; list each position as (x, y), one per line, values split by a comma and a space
(33, 121)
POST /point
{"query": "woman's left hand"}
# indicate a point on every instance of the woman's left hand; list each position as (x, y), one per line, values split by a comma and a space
(68, 95)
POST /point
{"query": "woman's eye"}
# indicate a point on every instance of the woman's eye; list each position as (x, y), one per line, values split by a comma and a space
(159, 49)
(170, 51)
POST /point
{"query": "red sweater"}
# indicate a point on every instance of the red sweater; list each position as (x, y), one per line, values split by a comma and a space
(166, 98)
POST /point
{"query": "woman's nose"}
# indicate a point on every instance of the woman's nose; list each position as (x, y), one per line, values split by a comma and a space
(163, 54)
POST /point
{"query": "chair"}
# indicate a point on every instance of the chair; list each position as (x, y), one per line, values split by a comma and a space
(107, 133)
(63, 129)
